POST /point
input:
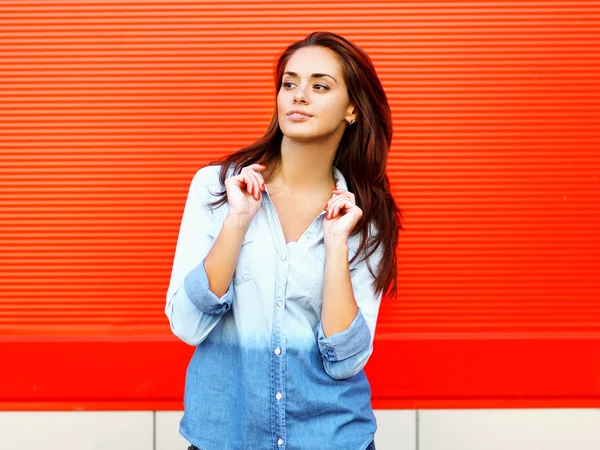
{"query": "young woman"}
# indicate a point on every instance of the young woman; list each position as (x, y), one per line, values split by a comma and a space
(284, 252)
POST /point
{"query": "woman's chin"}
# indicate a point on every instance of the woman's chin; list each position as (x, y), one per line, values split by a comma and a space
(299, 135)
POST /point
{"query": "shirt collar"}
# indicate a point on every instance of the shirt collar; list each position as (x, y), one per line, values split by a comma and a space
(338, 177)
(340, 181)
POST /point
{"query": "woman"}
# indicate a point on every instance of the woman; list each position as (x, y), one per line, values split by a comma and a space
(279, 295)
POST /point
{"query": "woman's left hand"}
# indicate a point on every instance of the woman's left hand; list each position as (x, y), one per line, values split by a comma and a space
(342, 216)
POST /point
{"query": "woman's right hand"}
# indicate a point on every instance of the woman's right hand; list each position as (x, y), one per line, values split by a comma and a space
(244, 192)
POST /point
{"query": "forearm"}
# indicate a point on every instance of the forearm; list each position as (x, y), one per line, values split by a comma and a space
(196, 307)
(222, 258)
(349, 311)
(339, 305)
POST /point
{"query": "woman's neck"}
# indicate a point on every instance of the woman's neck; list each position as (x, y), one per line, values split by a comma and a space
(306, 166)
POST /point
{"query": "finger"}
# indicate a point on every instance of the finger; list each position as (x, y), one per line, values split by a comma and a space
(257, 179)
(332, 201)
(344, 207)
(337, 198)
(343, 191)
(334, 207)
(242, 181)
(254, 176)
(329, 203)
(257, 167)
(338, 208)
(262, 184)
(349, 194)
(347, 206)
(335, 195)
(249, 184)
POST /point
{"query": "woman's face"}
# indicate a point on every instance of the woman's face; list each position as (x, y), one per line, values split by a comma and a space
(312, 83)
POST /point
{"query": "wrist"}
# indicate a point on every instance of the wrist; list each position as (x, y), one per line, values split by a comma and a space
(336, 246)
(238, 221)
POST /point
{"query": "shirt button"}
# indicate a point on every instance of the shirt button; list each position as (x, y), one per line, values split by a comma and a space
(280, 442)
(277, 351)
(283, 257)
(278, 396)
(279, 303)
(308, 234)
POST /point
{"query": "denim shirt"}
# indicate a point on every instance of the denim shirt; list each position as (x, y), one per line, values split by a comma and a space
(263, 374)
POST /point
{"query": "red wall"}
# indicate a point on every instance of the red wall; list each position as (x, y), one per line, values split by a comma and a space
(108, 108)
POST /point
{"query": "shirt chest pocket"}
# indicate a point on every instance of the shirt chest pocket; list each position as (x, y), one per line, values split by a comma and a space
(247, 256)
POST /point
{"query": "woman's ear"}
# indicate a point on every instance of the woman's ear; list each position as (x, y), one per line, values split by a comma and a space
(351, 115)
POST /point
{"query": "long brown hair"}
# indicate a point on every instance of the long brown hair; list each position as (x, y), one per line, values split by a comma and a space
(361, 155)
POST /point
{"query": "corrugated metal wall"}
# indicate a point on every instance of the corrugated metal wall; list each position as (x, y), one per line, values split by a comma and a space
(108, 108)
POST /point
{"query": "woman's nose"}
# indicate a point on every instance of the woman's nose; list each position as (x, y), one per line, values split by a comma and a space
(298, 99)
(299, 96)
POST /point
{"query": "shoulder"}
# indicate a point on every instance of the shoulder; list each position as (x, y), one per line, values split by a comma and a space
(207, 175)
(206, 182)
(210, 175)
(206, 186)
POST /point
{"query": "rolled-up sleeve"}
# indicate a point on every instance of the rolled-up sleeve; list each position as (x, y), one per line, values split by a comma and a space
(346, 353)
(346, 343)
(192, 308)
(198, 291)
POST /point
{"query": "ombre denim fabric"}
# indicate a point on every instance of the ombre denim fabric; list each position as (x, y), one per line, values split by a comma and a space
(263, 375)
(371, 446)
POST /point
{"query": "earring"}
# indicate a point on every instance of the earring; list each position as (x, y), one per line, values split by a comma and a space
(352, 123)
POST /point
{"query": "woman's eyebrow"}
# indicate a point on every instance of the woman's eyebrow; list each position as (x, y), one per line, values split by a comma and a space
(314, 75)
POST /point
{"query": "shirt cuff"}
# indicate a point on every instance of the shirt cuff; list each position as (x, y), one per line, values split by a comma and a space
(347, 343)
(198, 290)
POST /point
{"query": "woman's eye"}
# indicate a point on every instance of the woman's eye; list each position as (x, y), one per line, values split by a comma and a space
(321, 86)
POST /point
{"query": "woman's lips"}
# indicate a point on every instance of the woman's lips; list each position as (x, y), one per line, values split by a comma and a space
(298, 117)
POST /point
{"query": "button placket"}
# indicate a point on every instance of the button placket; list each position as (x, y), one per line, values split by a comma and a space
(278, 360)
(278, 337)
